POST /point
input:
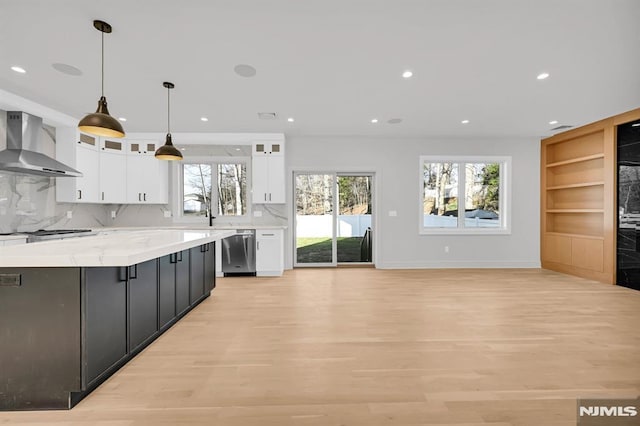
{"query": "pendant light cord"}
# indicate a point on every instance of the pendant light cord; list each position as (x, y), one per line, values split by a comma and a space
(168, 111)
(102, 63)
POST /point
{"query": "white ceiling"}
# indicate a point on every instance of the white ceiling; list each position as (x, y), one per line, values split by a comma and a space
(333, 65)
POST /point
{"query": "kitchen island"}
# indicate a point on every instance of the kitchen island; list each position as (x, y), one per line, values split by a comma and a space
(72, 312)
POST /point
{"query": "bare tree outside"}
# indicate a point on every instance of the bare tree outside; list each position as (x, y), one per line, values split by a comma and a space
(231, 188)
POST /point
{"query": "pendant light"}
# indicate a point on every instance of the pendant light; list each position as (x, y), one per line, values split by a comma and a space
(168, 151)
(100, 123)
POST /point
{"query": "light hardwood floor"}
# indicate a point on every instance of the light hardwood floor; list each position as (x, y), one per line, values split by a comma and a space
(378, 347)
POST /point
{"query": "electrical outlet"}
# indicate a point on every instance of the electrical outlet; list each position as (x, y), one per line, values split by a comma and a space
(167, 213)
(393, 213)
(69, 214)
(257, 213)
(113, 214)
(446, 249)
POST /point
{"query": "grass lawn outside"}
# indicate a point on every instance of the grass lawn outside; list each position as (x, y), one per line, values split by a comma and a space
(318, 250)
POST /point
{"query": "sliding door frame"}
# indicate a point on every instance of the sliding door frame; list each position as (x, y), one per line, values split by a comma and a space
(373, 175)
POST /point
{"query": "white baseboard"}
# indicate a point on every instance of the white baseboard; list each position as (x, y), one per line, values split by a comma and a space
(460, 264)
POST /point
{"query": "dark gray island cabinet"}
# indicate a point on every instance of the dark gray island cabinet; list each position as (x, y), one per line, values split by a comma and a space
(64, 330)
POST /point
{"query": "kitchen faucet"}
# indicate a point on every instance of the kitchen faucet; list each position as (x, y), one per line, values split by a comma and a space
(209, 213)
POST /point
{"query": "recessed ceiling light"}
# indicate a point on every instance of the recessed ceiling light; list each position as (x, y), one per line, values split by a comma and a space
(122, 119)
(394, 121)
(67, 69)
(290, 120)
(407, 74)
(183, 149)
(374, 121)
(19, 69)
(635, 125)
(465, 121)
(244, 70)
(204, 119)
(543, 75)
(553, 122)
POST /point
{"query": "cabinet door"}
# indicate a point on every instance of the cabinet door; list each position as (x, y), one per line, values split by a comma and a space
(197, 273)
(135, 178)
(210, 267)
(105, 316)
(167, 288)
(260, 179)
(113, 178)
(276, 180)
(143, 302)
(147, 177)
(156, 186)
(269, 259)
(182, 281)
(87, 186)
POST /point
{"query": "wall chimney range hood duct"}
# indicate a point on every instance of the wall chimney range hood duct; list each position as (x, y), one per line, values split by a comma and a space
(24, 149)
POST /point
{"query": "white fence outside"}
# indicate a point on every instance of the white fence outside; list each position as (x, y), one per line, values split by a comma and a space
(313, 226)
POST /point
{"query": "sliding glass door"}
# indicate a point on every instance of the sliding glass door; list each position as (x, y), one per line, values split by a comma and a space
(333, 218)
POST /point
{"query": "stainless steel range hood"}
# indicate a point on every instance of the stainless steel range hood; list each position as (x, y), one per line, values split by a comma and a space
(24, 149)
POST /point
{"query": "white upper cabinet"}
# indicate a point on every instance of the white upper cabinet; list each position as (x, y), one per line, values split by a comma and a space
(147, 177)
(268, 148)
(113, 171)
(81, 152)
(268, 172)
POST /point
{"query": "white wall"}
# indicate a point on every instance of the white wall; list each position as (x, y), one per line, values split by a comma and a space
(397, 243)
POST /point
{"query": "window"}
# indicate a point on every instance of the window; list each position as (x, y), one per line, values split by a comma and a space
(222, 186)
(466, 195)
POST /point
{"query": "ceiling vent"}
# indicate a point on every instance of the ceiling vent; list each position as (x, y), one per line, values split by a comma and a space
(563, 127)
(267, 115)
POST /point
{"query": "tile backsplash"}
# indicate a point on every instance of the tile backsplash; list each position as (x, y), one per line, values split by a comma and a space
(28, 203)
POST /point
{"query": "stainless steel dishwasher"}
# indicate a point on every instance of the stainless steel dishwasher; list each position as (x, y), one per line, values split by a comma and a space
(239, 253)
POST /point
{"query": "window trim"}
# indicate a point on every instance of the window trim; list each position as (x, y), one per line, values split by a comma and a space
(505, 193)
(177, 197)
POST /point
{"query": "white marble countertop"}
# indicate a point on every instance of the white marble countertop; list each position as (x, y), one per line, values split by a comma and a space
(108, 249)
(13, 237)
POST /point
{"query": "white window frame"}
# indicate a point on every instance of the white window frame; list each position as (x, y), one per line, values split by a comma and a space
(178, 195)
(505, 195)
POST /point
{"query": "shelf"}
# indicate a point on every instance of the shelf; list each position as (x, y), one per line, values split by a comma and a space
(574, 211)
(575, 160)
(575, 185)
(564, 234)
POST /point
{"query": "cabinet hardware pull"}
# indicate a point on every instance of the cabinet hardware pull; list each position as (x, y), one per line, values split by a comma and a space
(265, 196)
(269, 196)
(102, 195)
(79, 194)
(257, 245)
(133, 275)
(122, 273)
(173, 258)
(180, 258)
(144, 197)
(268, 235)
(139, 196)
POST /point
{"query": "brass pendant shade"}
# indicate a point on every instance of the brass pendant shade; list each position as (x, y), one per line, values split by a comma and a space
(100, 123)
(168, 151)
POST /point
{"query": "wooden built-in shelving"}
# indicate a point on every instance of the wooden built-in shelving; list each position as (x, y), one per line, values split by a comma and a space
(575, 160)
(575, 211)
(577, 202)
(575, 185)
